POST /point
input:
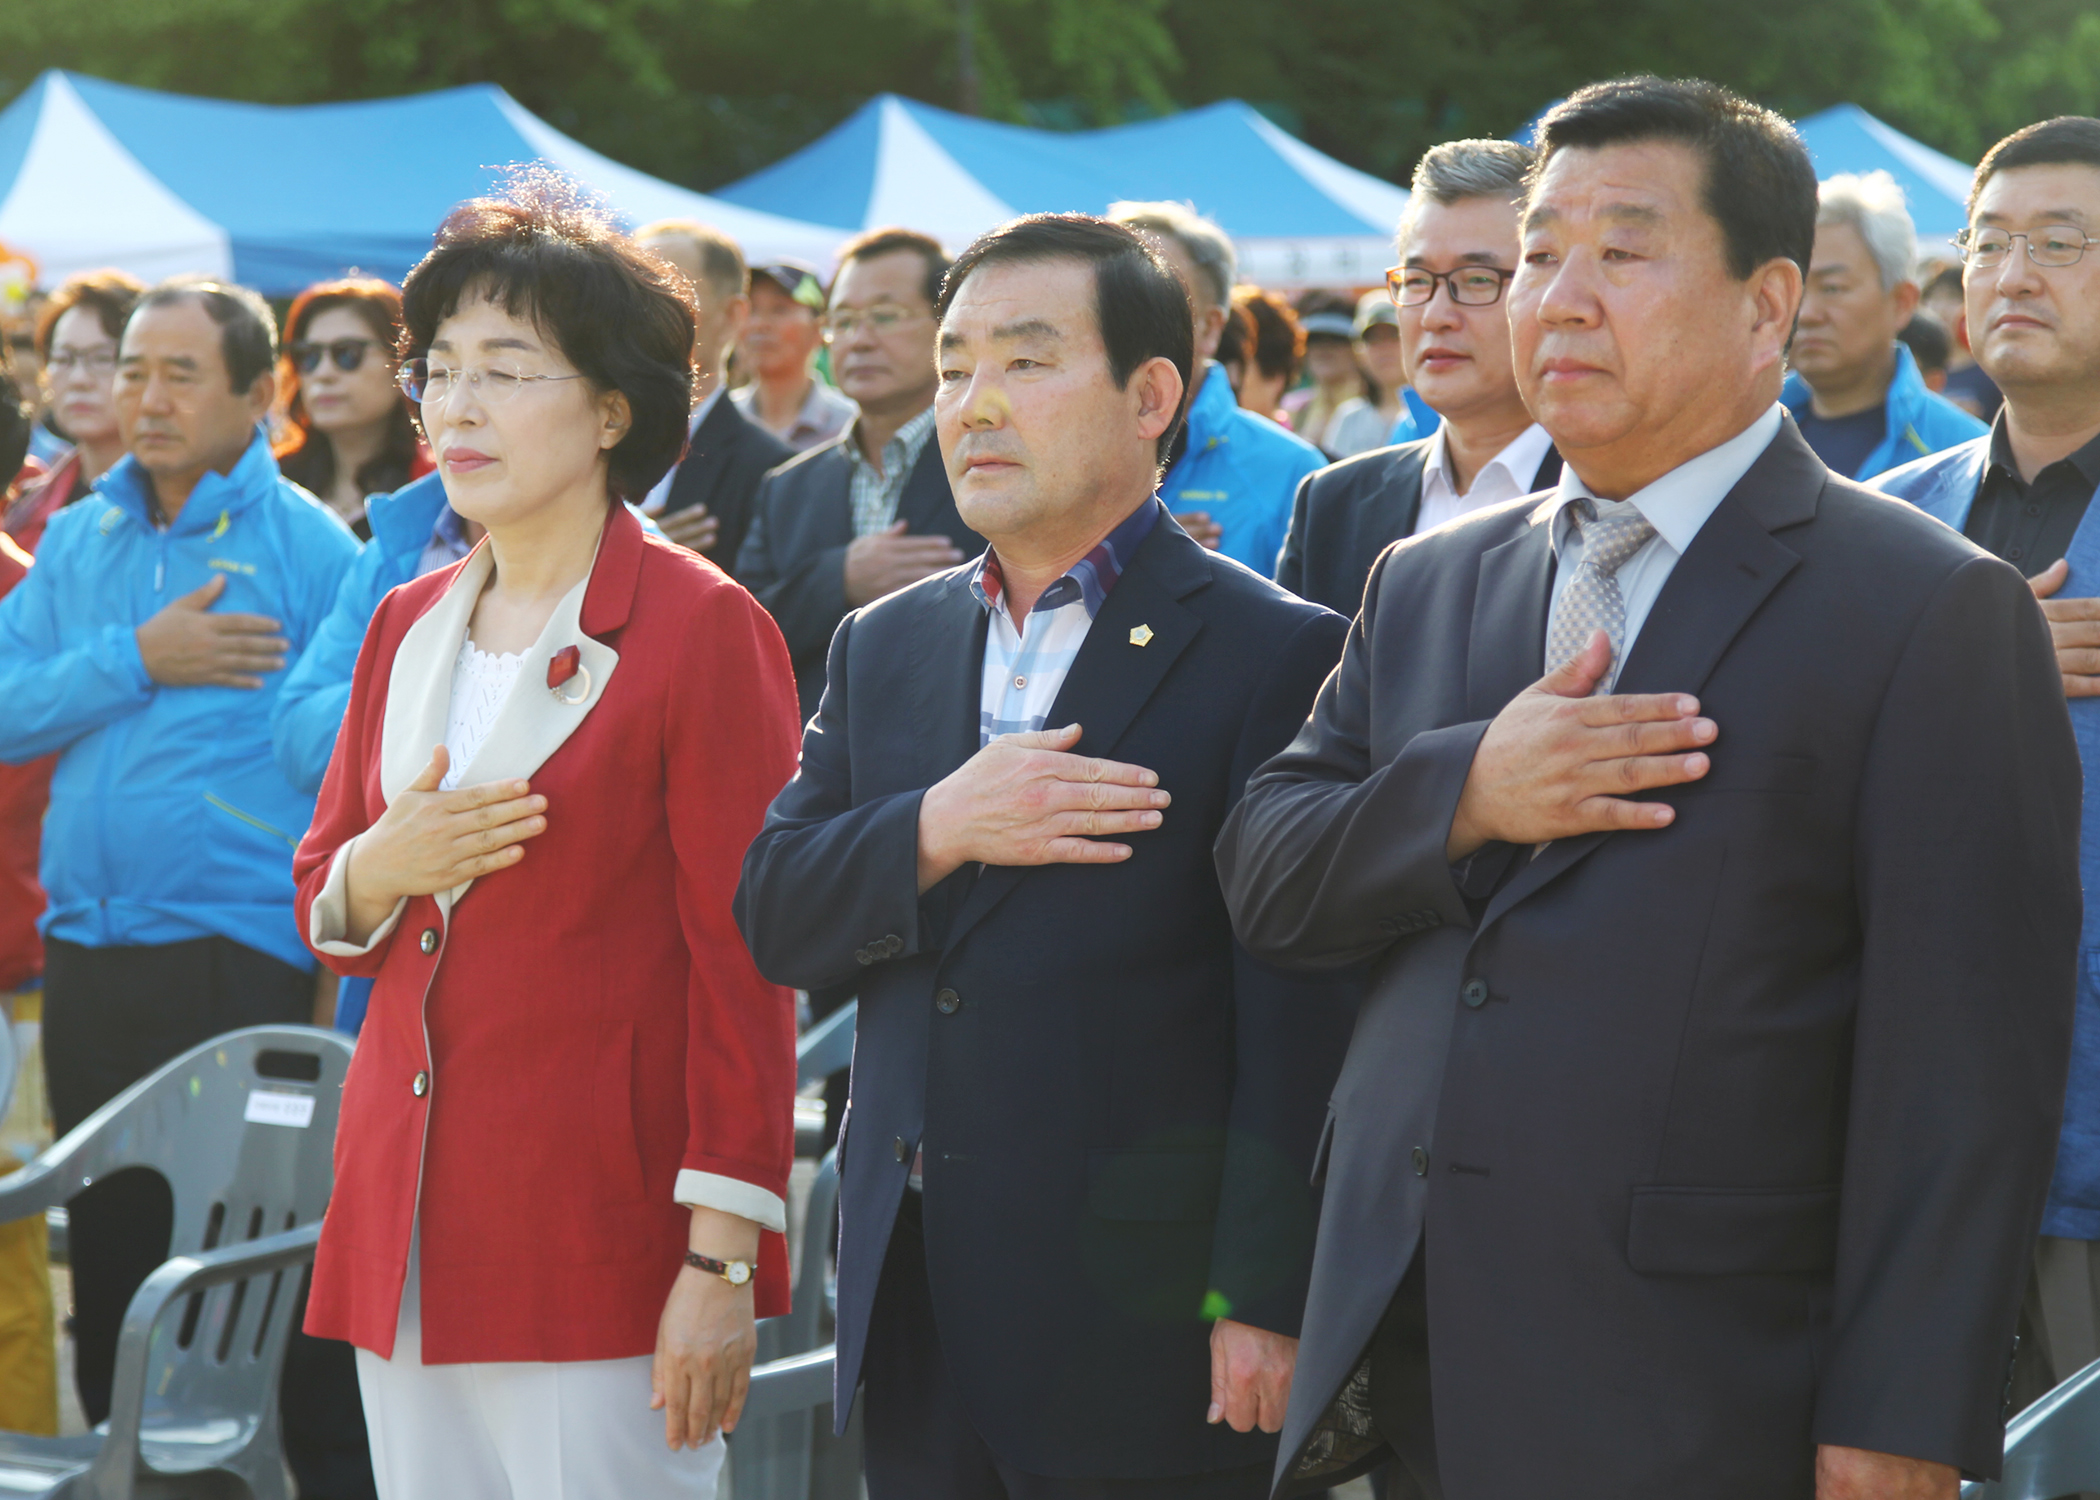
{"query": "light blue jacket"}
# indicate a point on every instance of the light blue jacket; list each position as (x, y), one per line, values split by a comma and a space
(1242, 470)
(316, 692)
(169, 818)
(1919, 422)
(1945, 486)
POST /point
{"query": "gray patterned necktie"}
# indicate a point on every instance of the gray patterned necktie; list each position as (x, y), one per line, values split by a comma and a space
(1592, 600)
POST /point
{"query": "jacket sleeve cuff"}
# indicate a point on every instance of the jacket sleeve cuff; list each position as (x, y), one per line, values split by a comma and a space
(124, 648)
(731, 1196)
(328, 922)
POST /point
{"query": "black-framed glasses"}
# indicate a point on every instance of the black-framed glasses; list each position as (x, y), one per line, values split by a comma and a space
(2053, 245)
(346, 354)
(432, 385)
(1470, 286)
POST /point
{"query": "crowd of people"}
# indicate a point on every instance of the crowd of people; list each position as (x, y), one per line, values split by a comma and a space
(1484, 762)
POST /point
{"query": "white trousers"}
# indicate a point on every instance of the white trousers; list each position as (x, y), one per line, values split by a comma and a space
(575, 1430)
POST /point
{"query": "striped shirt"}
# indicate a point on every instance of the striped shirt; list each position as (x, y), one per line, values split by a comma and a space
(1024, 672)
(875, 495)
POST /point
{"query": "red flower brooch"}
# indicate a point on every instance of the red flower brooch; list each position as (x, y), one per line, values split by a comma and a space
(568, 663)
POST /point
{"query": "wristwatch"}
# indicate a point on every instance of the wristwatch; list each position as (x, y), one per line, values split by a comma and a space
(735, 1272)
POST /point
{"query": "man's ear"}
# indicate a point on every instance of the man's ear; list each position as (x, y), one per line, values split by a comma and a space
(1905, 298)
(1157, 386)
(262, 394)
(1776, 289)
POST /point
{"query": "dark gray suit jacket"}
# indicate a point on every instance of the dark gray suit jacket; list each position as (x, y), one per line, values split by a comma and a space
(1729, 1138)
(794, 556)
(1349, 512)
(721, 470)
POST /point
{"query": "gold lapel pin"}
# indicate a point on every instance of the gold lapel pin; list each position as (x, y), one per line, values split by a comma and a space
(1142, 636)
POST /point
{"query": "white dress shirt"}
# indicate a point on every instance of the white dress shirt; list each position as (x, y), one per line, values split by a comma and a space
(1676, 505)
(1504, 477)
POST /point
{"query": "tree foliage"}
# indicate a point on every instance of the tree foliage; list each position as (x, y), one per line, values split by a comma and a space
(703, 91)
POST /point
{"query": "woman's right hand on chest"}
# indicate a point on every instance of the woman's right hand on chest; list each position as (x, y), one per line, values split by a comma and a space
(429, 841)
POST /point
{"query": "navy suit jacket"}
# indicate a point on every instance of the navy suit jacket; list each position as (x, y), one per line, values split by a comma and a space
(722, 468)
(1349, 512)
(1118, 1107)
(794, 555)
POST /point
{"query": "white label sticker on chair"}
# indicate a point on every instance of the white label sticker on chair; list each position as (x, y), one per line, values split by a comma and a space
(269, 1107)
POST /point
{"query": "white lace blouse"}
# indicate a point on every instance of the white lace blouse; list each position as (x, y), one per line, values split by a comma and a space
(481, 680)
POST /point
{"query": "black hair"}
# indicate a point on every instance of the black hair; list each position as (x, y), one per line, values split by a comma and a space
(876, 242)
(1760, 184)
(1931, 345)
(544, 251)
(247, 327)
(1140, 304)
(2067, 140)
(17, 417)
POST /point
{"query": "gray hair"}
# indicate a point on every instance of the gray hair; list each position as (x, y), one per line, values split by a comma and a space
(1872, 204)
(1207, 245)
(1458, 170)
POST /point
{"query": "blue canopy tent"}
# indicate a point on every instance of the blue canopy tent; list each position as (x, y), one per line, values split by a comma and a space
(1297, 216)
(279, 196)
(1846, 138)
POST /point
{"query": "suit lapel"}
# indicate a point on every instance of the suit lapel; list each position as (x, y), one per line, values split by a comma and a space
(1402, 493)
(1112, 677)
(1733, 566)
(535, 720)
(707, 459)
(1509, 618)
(948, 678)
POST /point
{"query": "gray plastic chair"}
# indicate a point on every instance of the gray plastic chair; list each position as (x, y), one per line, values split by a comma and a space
(243, 1129)
(2052, 1449)
(10, 1065)
(770, 1452)
(827, 1047)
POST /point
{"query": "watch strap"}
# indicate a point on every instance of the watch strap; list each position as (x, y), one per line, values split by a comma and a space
(735, 1272)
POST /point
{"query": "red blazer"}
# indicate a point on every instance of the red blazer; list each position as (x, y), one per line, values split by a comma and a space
(549, 1056)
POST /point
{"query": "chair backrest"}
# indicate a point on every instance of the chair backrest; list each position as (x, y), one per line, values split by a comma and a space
(827, 1047)
(243, 1129)
(2052, 1449)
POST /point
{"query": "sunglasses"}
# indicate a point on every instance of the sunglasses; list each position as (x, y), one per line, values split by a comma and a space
(347, 354)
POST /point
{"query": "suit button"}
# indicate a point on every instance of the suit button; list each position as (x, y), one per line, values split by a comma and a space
(1475, 993)
(421, 1086)
(901, 1148)
(429, 941)
(863, 957)
(893, 945)
(947, 1002)
(1421, 1160)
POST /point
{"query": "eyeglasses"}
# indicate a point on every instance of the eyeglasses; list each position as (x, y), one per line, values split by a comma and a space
(1470, 286)
(2057, 245)
(429, 385)
(94, 361)
(348, 354)
(878, 321)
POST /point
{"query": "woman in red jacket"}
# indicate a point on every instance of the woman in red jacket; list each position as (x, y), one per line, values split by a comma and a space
(565, 1139)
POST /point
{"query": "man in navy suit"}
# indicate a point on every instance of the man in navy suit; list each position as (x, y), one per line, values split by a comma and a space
(1075, 1223)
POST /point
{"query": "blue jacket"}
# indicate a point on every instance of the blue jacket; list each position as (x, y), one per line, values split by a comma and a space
(1919, 423)
(1242, 470)
(1945, 486)
(169, 817)
(316, 692)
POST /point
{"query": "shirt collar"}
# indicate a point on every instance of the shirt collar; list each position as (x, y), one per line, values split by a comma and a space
(2086, 460)
(1089, 580)
(906, 446)
(1519, 459)
(1680, 502)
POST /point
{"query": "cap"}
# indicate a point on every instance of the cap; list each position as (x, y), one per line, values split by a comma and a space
(1373, 308)
(1332, 325)
(797, 280)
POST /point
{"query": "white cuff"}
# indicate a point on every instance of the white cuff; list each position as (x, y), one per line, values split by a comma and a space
(731, 1195)
(329, 919)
